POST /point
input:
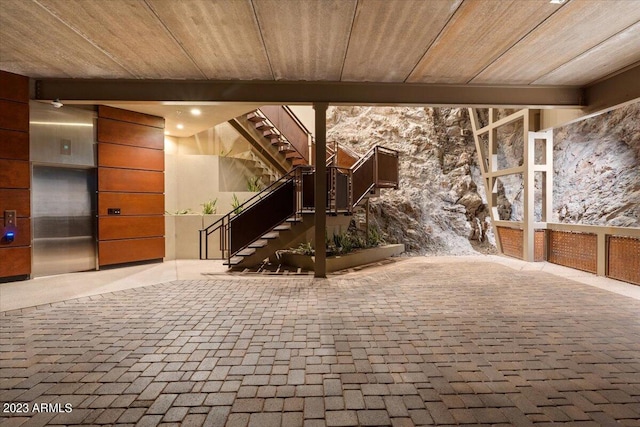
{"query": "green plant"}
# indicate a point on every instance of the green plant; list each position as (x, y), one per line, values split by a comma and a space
(235, 204)
(304, 249)
(182, 211)
(209, 208)
(374, 238)
(343, 242)
(254, 184)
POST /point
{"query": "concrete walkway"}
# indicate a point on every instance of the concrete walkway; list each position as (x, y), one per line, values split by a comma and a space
(423, 341)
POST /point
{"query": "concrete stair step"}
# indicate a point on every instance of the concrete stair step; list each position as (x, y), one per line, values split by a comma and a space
(233, 261)
(282, 227)
(261, 243)
(246, 252)
(271, 235)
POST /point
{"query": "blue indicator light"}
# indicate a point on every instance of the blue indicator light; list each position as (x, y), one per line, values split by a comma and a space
(10, 234)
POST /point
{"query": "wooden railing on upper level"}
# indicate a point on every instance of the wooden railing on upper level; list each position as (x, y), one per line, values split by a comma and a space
(288, 124)
(340, 156)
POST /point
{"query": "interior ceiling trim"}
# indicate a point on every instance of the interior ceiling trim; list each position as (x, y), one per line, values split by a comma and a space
(286, 92)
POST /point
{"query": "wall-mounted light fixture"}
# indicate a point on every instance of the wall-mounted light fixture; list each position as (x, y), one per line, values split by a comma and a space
(56, 103)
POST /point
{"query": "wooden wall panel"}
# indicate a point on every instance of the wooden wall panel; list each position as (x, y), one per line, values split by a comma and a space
(18, 200)
(131, 204)
(123, 156)
(14, 116)
(14, 87)
(14, 145)
(14, 174)
(129, 227)
(130, 116)
(122, 251)
(115, 132)
(15, 180)
(22, 233)
(131, 178)
(15, 261)
(133, 181)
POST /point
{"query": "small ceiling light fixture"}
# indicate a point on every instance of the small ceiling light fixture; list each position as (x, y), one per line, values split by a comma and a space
(557, 1)
(56, 103)
(196, 111)
(180, 126)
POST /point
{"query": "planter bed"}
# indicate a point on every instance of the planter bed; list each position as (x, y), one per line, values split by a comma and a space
(341, 262)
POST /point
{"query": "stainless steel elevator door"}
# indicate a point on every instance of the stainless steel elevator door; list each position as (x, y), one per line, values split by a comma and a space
(64, 227)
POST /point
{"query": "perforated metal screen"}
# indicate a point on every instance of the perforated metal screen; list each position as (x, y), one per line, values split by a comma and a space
(624, 259)
(575, 250)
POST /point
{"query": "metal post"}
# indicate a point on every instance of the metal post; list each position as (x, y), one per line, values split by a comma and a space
(366, 217)
(320, 216)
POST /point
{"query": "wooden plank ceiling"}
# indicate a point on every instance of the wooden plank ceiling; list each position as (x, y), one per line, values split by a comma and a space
(497, 42)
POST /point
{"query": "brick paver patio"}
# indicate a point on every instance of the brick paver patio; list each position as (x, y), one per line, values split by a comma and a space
(405, 344)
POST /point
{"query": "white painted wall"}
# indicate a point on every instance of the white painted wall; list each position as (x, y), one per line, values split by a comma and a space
(198, 169)
(306, 115)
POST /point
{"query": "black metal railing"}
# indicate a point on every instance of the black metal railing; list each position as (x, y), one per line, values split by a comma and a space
(257, 205)
(294, 193)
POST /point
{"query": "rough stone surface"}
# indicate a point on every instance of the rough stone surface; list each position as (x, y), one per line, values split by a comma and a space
(440, 207)
(597, 170)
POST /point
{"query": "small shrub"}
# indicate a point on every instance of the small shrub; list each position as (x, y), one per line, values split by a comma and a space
(374, 238)
(235, 204)
(254, 184)
(304, 249)
(183, 212)
(209, 208)
(343, 243)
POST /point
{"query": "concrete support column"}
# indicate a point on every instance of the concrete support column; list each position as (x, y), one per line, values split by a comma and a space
(320, 268)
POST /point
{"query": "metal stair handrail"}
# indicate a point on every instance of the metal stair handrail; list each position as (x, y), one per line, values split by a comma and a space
(341, 197)
(375, 152)
(223, 223)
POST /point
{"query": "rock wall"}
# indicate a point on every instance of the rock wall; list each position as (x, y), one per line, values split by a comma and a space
(440, 207)
(597, 170)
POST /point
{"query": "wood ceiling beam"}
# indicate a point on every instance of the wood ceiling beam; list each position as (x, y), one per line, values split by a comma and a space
(285, 92)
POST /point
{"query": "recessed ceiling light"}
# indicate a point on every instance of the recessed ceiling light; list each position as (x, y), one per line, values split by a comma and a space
(180, 126)
(196, 111)
(557, 1)
(166, 132)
